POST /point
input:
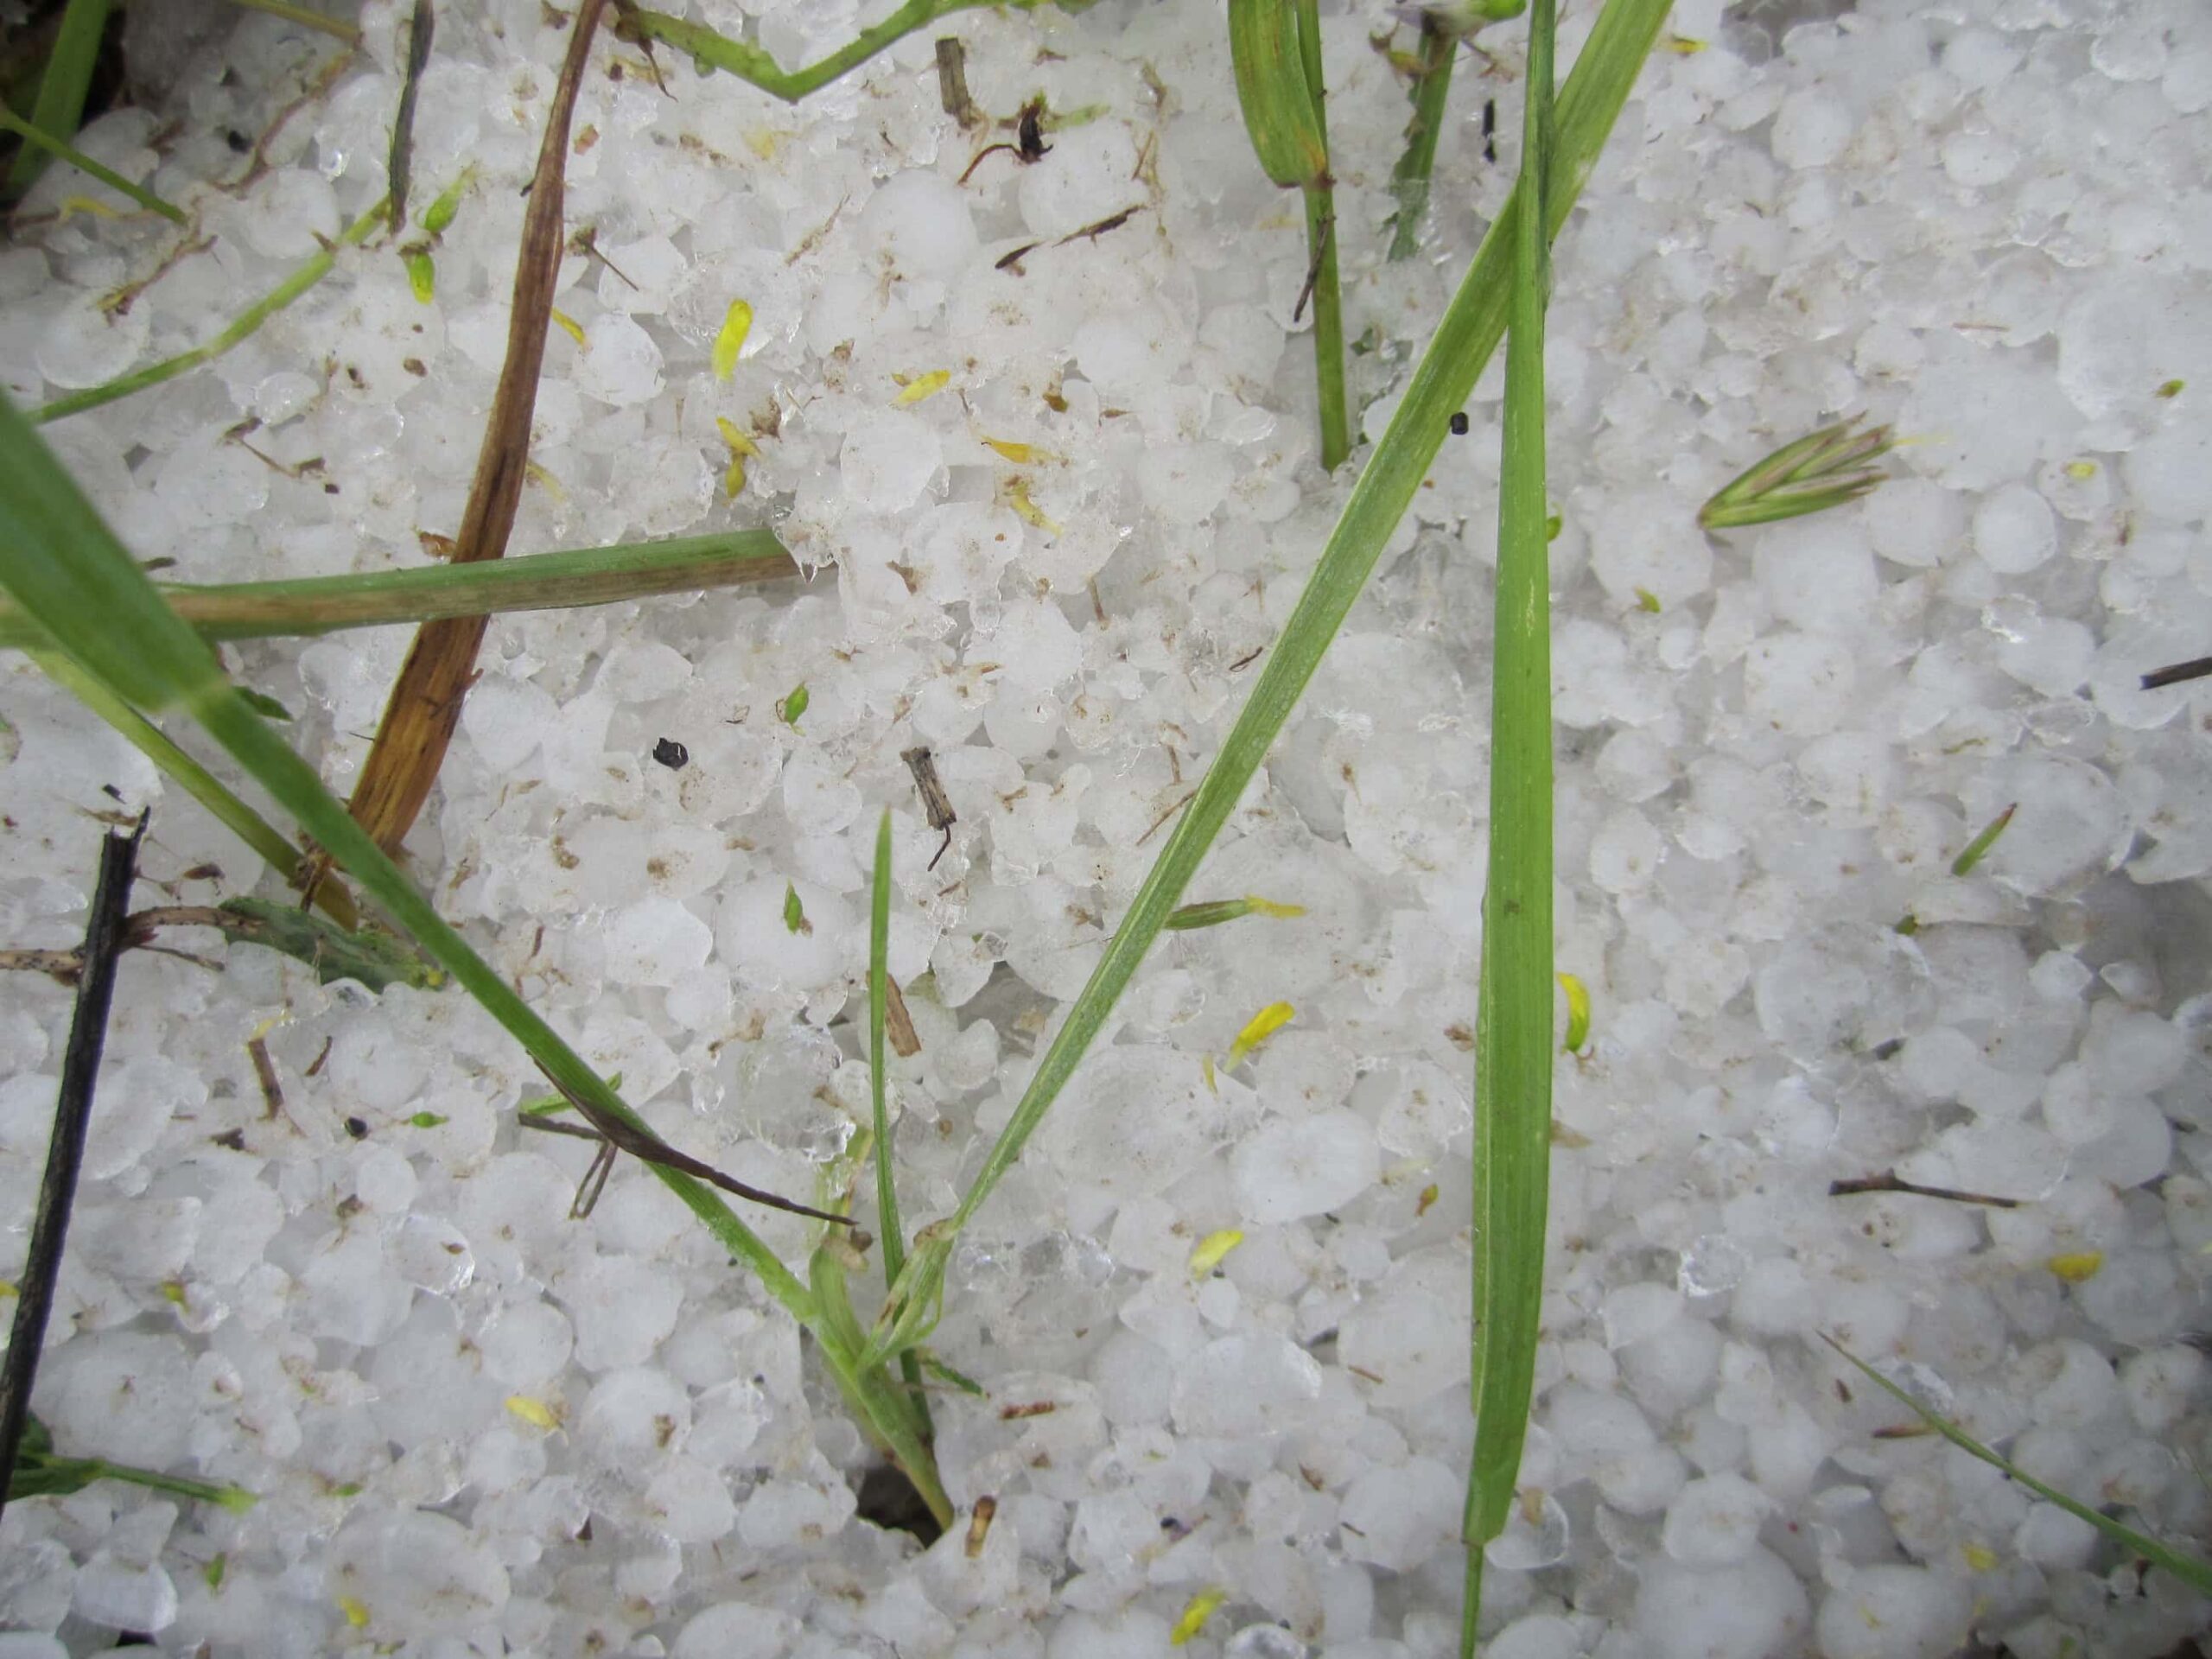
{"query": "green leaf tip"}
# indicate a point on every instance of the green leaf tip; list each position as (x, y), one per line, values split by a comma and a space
(1823, 470)
(1978, 848)
(1214, 912)
(794, 913)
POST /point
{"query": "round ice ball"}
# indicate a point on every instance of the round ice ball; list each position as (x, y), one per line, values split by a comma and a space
(917, 221)
(2014, 531)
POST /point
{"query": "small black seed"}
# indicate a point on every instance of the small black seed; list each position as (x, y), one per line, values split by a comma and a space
(1459, 423)
(356, 1128)
(671, 754)
(238, 141)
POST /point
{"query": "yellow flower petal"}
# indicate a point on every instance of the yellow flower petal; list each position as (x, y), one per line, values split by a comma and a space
(1211, 1248)
(1577, 1013)
(729, 343)
(535, 1413)
(2076, 1267)
(1262, 1026)
(1195, 1614)
(914, 389)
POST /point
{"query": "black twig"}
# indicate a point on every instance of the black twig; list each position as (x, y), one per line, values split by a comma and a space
(1889, 1180)
(104, 936)
(402, 126)
(2195, 669)
(648, 1148)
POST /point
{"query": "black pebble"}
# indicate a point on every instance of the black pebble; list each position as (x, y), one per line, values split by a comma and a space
(1459, 423)
(238, 141)
(356, 1128)
(671, 754)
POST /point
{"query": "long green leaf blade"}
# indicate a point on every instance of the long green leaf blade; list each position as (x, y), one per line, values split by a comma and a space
(1513, 1033)
(2191, 1571)
(64, 80)
(1442, 381)
(67, 571)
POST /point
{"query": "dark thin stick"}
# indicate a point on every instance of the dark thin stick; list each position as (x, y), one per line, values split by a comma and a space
(402, 126)
(648, 1148)
(1889, 1181)
(2195, 669)
(1098, 228)
(1013, 260)
(1313, 270)
(952, 81)
(65, 1153)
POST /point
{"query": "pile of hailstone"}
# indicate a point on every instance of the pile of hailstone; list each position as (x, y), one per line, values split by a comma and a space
(477, 1427)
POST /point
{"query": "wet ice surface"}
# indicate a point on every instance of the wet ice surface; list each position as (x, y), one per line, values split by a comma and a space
(473, 1422)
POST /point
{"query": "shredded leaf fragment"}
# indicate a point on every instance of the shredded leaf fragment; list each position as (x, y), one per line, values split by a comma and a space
(1980, 1557)
(426, 1120)
(795, 912)
(1212, 1248)
(571, 327)
(1647, 600)
(422, 274)
(793, 705)
(1262, 1026)
(214, 1572)
(730, 342)
(2172, 389)
(356, 1615)
(1428, 1196)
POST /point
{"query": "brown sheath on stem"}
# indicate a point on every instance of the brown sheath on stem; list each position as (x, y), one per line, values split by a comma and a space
(425, 704)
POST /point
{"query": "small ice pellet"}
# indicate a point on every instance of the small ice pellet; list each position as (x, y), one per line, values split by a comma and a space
(2014, 531)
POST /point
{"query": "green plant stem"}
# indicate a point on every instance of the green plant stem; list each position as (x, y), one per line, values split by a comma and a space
(306, 18)
(1409, 179)
(1513, 1030)
(63, 82)
(1443, 378)
(709, 50)
(2192, 1570)
(71, 577)
(1322, 253)
(310, 271)
(84, 163)
(233, 814)
(886, 1190)
(538, 581)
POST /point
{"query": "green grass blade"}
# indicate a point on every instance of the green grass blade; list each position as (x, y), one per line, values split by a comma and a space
(2191, 1571)
(709, 50)
(878, 955)
(1321, 250)
(1513, 1032)
(303, 16)
(886, 1190)
(195, 781)
(538, 581)
(310, 271)
(1977, 849)
(67, 571)
(63, 81)
(1409, 179)
(1442, 381)
(63, 151)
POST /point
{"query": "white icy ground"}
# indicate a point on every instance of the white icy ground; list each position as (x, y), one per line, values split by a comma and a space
(1986, 220)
